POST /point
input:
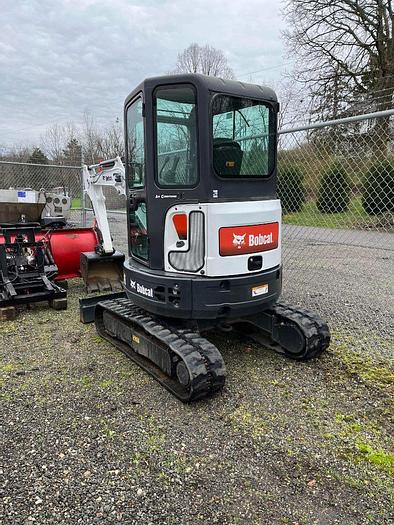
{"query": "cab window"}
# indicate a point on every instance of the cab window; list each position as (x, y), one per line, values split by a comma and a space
(176, 136)
(242, 143)
(138, 231)
(135, 145)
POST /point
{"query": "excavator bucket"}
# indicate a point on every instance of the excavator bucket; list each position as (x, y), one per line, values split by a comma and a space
(102, 273)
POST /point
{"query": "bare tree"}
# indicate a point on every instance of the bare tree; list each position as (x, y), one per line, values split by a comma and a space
(63, 143)
(345, 48)
(90, 138)
(56, 138)
(111, 143)
(293, 102)
(17, 153)
(203, 59)
(346, 55)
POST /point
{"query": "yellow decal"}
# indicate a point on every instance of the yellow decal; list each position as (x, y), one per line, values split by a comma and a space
(230, 163)
(136, 339)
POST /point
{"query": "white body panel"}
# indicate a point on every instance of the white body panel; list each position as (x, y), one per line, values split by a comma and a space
(225, 214)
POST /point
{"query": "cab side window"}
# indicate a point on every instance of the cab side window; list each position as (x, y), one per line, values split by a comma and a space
(176, 136)
(135, 145)
(138, 238)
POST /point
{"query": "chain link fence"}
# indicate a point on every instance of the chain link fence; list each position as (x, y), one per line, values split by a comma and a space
(48, 179)
(336, 183)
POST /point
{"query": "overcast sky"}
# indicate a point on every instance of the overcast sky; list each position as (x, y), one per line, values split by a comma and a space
(59, 58)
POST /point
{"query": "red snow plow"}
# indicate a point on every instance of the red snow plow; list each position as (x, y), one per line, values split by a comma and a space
(38, 254)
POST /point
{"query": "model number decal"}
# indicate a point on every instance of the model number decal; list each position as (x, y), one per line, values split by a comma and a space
(166, 196)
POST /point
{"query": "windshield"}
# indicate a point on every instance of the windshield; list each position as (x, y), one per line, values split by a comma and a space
(242, 143)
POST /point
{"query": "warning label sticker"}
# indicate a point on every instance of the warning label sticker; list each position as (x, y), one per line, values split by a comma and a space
(259, 290)
(27, 196)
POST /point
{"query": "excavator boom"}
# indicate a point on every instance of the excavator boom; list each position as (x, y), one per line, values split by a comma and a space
(102, 269)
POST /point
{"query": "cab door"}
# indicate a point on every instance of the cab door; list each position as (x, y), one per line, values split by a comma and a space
(135, 172)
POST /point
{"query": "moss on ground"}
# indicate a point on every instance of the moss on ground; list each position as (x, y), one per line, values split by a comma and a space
(246, 418)
(363, 441)
(378, 457)
(377, 373)
(357, 444)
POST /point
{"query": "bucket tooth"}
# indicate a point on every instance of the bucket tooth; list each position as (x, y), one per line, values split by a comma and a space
(102, 273)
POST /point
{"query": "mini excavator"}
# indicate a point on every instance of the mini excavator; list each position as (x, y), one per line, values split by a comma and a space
(204, 232)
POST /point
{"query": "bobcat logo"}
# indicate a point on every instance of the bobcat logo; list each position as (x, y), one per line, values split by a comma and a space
(239, 240)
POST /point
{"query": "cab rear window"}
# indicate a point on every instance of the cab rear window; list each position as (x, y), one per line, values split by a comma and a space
(243, 144)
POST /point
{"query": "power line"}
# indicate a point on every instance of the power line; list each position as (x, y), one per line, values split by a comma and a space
(12, 134)
(264, 69)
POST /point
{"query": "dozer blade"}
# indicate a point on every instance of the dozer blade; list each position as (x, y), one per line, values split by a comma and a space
(102, 273)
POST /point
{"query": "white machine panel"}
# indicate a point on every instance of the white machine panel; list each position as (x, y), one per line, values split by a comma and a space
(240, 216)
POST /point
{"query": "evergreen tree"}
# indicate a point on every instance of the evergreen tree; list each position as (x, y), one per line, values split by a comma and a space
(334, 190)
(72, 154)
(38, 157)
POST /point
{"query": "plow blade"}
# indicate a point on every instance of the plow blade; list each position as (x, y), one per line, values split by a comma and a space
(102, 273)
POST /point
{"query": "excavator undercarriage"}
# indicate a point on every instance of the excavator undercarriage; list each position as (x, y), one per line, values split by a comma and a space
(180, 358)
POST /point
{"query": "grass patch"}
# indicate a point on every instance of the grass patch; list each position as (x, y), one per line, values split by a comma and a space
(7, 368)
(309, 215)
(5, 371)
(243, 419)
(107, 431)
(362, 442)
(374, 372)
(76, 203)
(9, 327)
(377, 457)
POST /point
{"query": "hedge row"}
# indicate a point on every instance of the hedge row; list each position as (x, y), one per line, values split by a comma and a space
(334, 190)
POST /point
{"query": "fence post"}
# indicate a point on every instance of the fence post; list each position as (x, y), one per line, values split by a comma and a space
(83, 206)
(83, 203)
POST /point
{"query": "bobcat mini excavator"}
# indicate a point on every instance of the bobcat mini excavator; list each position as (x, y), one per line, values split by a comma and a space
(204, 230)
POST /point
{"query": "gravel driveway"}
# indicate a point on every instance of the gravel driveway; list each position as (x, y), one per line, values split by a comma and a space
(87, 437)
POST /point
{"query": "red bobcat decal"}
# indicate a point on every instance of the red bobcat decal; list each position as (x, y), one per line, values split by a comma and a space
(236, 240)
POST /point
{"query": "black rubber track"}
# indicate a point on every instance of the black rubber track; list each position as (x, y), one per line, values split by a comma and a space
(315, 331)
(201, 358)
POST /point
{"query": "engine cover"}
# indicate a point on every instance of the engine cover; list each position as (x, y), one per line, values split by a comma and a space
(231, 238)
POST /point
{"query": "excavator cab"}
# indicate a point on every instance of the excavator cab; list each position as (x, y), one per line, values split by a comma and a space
(203, 217)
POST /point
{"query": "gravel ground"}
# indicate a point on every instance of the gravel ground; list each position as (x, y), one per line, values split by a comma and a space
(87, 437)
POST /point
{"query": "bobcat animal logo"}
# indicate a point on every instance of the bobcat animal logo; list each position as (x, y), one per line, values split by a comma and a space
(238, 240)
